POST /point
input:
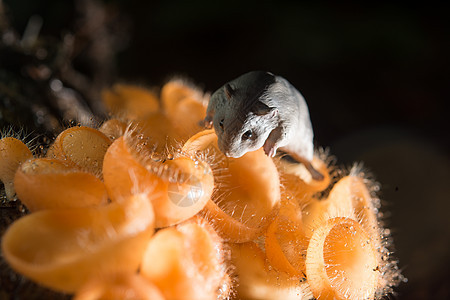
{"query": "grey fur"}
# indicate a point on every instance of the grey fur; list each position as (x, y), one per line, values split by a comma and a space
(270, 107)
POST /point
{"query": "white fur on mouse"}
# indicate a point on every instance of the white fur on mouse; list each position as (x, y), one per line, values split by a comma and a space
(259, 109)
(293, 119)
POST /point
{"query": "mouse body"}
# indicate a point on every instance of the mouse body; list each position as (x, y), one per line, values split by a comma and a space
(259, 109)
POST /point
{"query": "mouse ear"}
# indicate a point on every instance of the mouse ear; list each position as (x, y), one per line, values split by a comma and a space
(228, 90)
(262, 109)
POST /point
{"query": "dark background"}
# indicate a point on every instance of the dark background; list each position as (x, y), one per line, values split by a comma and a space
(375, 76)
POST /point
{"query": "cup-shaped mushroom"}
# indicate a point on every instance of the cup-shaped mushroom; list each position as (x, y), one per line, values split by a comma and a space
(187, 189)
(62, 248)
(45, 183)
(185, 262)
(348, 198)
(113, 128)
(83, 147)
(178, 188)
(259, 280)
(130, 101)
(355, 189)
(124, 175)
(340, 200)
(13, 152)
(314, 213)
(124, 286)
(186, 117)
(247, 189)
(176, 90)
(285, 241)
(298, 180)
(341, 262)
(158, 131)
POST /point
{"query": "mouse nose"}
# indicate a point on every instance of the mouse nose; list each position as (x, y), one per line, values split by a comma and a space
(225, 150)
(228, 153)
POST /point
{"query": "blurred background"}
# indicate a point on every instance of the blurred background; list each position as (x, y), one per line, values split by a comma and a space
(375, 75)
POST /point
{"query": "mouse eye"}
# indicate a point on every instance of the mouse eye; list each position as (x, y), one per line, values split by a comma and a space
(221, 123)
(248, 134)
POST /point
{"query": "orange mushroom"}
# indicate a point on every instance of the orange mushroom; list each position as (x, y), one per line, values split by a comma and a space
(341, 262)
(185, 262)
(124, 286)
(13, 153)
(285, 241)
(159, 133)
(130, 101)
(83, 147)
(186, 117)
(113, 128)
(298, 180)
(178, 188)
(45, 183)
(247, 190)
(176, 90)
(63, 248)
(363, 205)
(258, 280)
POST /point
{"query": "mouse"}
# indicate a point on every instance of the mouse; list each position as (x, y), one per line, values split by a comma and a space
(259, 109)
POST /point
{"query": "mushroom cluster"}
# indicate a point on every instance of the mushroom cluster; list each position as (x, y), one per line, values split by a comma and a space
(146, 207)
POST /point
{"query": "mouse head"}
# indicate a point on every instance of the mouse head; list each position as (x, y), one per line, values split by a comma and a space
(241, 120)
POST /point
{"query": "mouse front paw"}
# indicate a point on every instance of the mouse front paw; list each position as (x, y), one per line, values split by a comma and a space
(270, 149)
